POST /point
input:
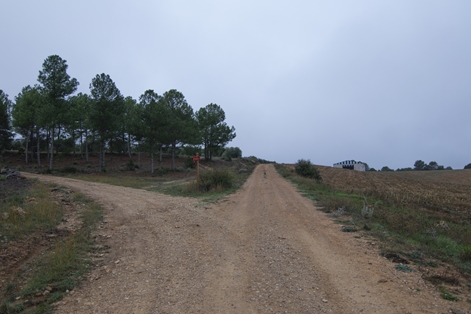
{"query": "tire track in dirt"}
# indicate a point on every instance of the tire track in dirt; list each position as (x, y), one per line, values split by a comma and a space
(264, 249)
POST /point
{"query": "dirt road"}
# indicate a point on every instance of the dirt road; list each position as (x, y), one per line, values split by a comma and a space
(265, 249)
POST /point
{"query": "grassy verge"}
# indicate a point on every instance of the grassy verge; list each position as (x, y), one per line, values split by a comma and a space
(216, 181)
(46, 277)
(213, 184)
(422, 233)
(27, 211)
(144, 180)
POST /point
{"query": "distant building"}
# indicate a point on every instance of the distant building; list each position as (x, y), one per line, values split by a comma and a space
(351, 164)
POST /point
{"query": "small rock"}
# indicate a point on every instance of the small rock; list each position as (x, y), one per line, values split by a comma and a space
(18, 210)
(348, 229)
(324, 300)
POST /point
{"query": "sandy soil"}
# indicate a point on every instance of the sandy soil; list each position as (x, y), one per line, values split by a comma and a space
(265, 249)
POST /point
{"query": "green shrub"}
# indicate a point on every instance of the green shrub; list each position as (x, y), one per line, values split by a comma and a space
(466, 254)
(216, 180)
(69, 170)
(189, 163)
(45, 171)
(162, 171)
(130, 165)
(232, 152)
(306, 169)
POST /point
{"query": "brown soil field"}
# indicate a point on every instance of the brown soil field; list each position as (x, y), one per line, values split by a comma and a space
(447, 191)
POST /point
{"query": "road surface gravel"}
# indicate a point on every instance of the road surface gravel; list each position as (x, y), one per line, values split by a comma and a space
(264, 249)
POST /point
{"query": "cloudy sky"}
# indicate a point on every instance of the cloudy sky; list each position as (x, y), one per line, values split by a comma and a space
(384, 82)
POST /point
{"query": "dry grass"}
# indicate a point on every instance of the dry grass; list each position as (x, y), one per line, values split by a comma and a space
(25, 213)
(428, 211)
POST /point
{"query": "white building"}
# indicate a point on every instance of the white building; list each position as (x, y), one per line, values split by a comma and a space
(351, 164)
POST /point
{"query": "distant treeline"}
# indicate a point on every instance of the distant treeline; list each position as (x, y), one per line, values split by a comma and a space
(421, 165)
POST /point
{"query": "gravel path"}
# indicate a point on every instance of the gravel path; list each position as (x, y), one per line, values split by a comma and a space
(264, 249)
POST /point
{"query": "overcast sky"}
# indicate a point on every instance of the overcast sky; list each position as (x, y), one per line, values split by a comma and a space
(384, 82)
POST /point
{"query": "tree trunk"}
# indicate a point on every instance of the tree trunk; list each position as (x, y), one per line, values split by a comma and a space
(99, 157)
(73, 137)
(58, 139)
(51, 154)
(129, 146)
(47, 145)
(123, 139)
(206, 155)
(173, 155)
(38, 148)
(139, 154)
(103, 157)
(160, 157)
(86, 145)
(151, 160)
(26, 146)
(32, 147)
(81, 143)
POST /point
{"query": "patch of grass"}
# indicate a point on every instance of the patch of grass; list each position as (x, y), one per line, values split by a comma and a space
(69, 169)
(403, 268)
(214, 184)
(447, 295)
(466, 254)
(28, 212)
(60, 268)
(127, 181)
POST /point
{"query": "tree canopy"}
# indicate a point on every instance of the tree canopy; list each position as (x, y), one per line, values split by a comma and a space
(182, 127)
(55, 85)
(215, 132)
(104, 120)
(5, 126)
(106, 111)
(154, 120)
